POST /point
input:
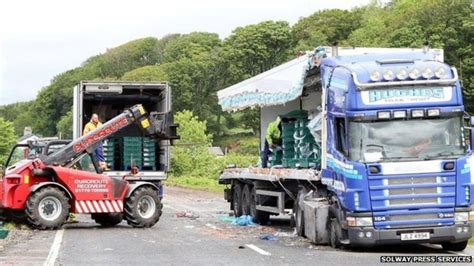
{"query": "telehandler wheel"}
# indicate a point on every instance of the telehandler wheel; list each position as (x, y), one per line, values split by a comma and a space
(143, 207)
(237, 200)
(107, 219)
(259, 217)
(246, 200)
(47, 208)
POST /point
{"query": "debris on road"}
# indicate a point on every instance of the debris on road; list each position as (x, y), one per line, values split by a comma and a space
(244, 220)
(268, 237)
(187, 214)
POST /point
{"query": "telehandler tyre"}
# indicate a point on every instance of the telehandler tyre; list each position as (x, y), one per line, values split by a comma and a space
(107, 219)
(143, 208)
(47, 208)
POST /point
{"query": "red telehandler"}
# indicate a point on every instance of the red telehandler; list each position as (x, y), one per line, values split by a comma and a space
(47, 188)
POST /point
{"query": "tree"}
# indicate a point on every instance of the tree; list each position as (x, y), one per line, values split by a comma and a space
(7, 139)
(146, 73)
(64, 126)
(324, 28)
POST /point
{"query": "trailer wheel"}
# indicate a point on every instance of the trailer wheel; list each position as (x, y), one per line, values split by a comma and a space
(47, 208)
(299, 213)
(237, 200)
(259, 217)
(246, 200)
(143, 207)
(107, 219)
(460, 246)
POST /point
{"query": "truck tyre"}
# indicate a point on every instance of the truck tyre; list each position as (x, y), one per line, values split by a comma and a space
(237, 200)
(47, 208)
(259, 217)
(460, 246)
(107, 219)
(143, 207)
(246, 200)
(335, 233)
(299, 213)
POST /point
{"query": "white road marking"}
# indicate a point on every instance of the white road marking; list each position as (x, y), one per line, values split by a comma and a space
(259, 250)
(54, 251)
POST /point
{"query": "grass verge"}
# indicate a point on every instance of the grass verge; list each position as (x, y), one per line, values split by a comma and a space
(193, 182)
(471, 241)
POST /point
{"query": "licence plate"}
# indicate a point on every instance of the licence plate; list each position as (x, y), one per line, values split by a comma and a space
(415, 236)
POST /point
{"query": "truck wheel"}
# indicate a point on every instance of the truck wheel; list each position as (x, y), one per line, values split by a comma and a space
(259, 217)
(334, 233)
(237, 200)
(299, 213)
(246, 200)
(47, 208)
(460, 246)
(143, 207)
(107, 219)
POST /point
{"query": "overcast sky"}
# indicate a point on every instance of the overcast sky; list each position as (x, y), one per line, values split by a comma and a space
(40, 39)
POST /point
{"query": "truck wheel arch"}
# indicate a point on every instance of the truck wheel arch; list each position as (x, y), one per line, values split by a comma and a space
(133, 186)
(50, 184)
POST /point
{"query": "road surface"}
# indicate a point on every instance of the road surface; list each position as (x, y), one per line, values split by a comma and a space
(204, 238)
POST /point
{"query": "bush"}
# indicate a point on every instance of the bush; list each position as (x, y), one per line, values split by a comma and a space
(192, 165)
(7, 139)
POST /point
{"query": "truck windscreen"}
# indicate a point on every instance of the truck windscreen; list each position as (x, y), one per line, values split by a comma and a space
(406, 140)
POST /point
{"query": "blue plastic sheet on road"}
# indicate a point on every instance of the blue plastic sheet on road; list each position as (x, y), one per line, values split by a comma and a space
(244, 220)
(268, 237)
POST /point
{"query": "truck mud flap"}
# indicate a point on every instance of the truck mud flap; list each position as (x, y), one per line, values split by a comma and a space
(316, 212)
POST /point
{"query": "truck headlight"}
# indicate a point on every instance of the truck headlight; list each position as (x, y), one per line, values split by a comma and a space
(359, 221)
(460, 217)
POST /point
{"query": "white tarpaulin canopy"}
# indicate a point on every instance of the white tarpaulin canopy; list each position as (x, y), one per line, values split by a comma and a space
(285, 82)
(276, 86)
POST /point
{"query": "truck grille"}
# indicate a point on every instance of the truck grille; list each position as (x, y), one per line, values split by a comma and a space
(412, 201)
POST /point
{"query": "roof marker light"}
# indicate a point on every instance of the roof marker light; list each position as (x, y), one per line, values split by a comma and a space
(375, 76)
(388, 75)
(440, 73)
(402, 74)
(433, 112)
(427, 73)
(383, 115)
(399, 114)
(417, 113)
(414, 73)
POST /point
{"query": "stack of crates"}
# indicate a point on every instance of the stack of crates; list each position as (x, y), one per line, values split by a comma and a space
(275, 158)
(288, 143)
(131, 148)
(149, 154)
(108, 150)
(306, 150)
(299, 147)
